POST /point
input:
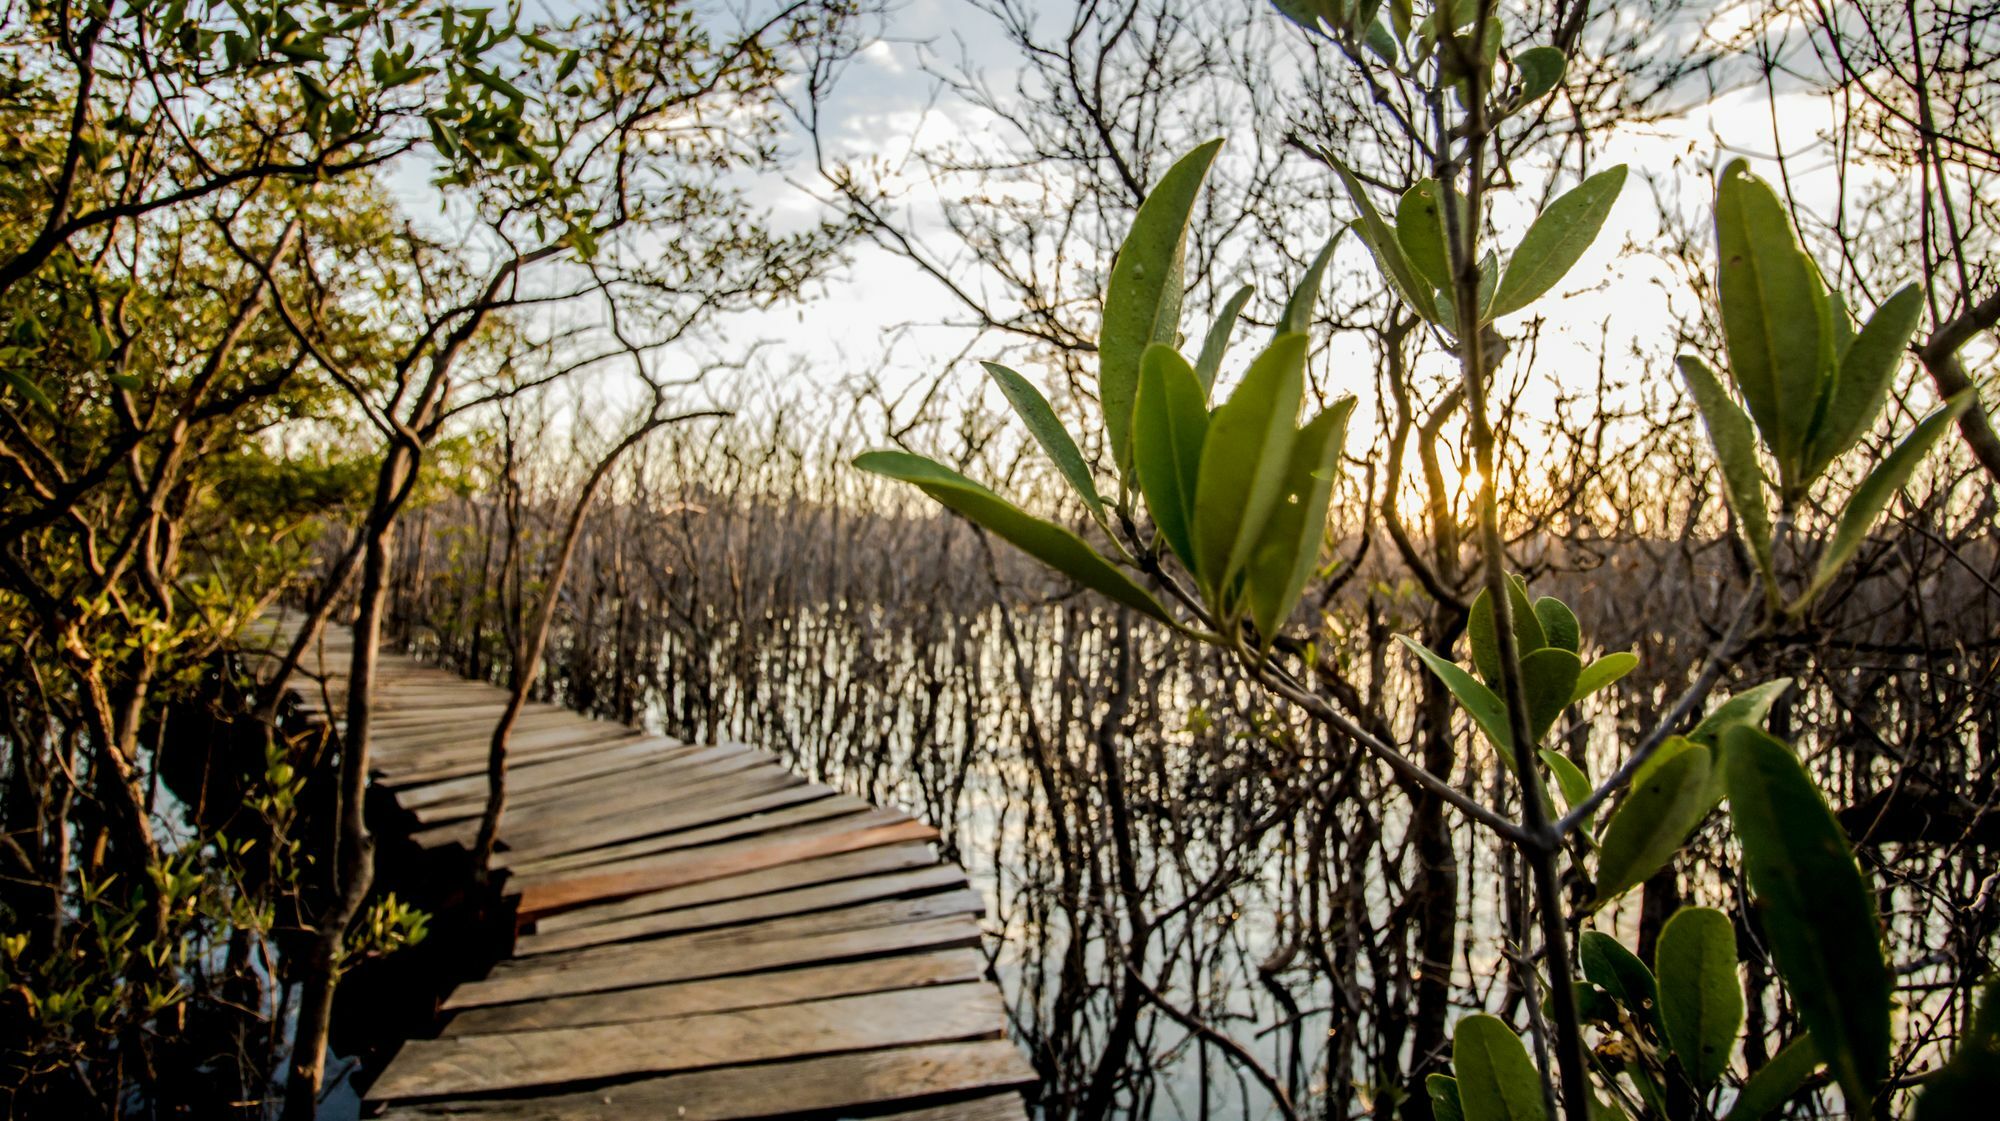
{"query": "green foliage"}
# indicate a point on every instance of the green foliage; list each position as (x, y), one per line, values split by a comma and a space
(1042, 424)
(1496, 1079)
(1815, 908)
(1701, 999)
(1668, 798)
(1142, 304)
(1169, 429)
(1547, 641)
(1553, 243)
(1774, 1083)
(1045, 541)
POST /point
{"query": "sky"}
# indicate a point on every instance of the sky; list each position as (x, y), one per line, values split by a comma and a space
(879, 318)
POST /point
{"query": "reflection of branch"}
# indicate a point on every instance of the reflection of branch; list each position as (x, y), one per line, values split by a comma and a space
(1228, 1046)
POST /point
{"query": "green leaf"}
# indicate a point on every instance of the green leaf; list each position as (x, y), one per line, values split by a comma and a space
(1041, 420)
(1559, 624)
(1749, 707)
(29, 388)
(1496, 1079)
(1540, 69)
(1969, 1083)
(1548, 678)
(1169, 428)
(1420, 231)
(1484, 640)
(1664, 805)
(1557, 238)
(1773, 1084)
(1142, 302)
(1443, 1090)
(1701, 999)
(1217, 342)
(1045, 541)
(1772, 314)
(1818, 913)
(1618, 971)
(1287, 552)
(1388, 251)
(1298, 316)
(1570, 779)
(1243, 463)
(1867, 368)
(1873, 495)
(1735, 444)
(1479, 702)
(1603, 672)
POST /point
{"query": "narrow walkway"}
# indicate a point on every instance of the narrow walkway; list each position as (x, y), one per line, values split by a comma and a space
(703, 934)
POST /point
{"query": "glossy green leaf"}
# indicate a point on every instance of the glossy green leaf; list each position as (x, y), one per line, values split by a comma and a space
(1287, 552)
(1244, 460)
(1770, 1086)
(1701, 998)
(1496, 1078)
(29, 388)
(1388, 251)
(1540, 69)
(1663, 806)
(1749, 707)
(1559, 625)
(1034, 410)
(1873, 495)
(1570, 779)
(1557, 238)
(1170, 424)
(1217, 343)
(1420, 231)
(1298, 316)
(1867, 368)
(1602, 672)
(1045, 541)
(1142, 302)
(1484, 640)
(1969, 1083)
(1618, 971)
(1818, 914)
(1548, 679)
(1443, 1091)
(1772, 313)
(1735, 443)
(1479, 702)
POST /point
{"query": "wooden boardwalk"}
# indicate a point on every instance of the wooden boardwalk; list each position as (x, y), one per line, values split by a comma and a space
(703, 935)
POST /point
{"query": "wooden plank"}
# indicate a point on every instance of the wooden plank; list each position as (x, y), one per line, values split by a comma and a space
(777, 928)
(824, 1085)
(544, 895)
(651, 805)
(1006, 1106)
(753, 990)
(483, 1064)
(617, 788)
(865, 862)
(540, 774)
(433, 768)
(819, 809)
(721, 959)
(697, 810)
(938, 877)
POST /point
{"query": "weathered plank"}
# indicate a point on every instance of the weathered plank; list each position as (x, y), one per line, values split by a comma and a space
(808, 810)
(483, 1064)
(635, 785)
(860, 916)
(721, 959)
(865, 862)
(841, 1082)
(700, 809)
(536, 775)
(643, 804)
(539, 897)
(752, 990)
(937, 877)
